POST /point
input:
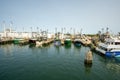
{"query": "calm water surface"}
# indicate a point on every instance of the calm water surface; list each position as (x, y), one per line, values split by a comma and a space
(54, 63)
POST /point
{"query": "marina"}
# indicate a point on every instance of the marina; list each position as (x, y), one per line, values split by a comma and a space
(59, 40)
(58, 56)
(44, 55)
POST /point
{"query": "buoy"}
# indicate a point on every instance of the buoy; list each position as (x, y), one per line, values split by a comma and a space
(88, 58)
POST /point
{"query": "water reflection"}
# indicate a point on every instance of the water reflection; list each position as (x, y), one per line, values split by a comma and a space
(67, 46)
(77, 49)
(117, 60)
(7, 49)
(88, 68)
(10, 49)
(113, 64)
(32, 45)
(68, 61)
(57, 49)
(113, 67)
(112, 60)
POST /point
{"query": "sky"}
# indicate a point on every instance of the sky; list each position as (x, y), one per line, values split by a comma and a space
(88, 16)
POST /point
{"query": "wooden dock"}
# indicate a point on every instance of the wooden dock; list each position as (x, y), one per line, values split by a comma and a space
(44, 42)
(5, 41)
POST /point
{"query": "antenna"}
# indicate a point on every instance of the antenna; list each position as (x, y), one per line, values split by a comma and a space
(107, 29)
(64, 30)
(74, 31)
(11, 25)
(4, 26)
(55, 30)
(102, 30)
(81, 31)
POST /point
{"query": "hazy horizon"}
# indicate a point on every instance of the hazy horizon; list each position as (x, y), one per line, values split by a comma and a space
(88, 15)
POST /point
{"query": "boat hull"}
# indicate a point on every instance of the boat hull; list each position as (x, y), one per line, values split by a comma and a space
(67, 42)
(33, 41)
(77, 43)
(57, 42)
(17, 41)
(112, 54)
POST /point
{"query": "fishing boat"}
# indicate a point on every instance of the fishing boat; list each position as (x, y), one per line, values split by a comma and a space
(110, 48)
(32, 41)
(57, 42)
(18, 40)
(67, 40)
(77, 42)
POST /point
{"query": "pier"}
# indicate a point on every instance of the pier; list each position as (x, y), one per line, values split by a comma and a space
(5, 40)
(48, 41)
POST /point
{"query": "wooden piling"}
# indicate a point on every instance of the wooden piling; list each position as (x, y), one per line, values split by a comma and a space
(5, 41)
(88, 58)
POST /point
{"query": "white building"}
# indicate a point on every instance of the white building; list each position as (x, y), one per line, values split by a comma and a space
(8, 33)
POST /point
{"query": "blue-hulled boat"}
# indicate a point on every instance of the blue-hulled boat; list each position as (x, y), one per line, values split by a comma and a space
(77, 42)
(111, 47)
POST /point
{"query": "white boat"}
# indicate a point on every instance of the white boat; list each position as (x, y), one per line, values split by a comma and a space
(110, 48)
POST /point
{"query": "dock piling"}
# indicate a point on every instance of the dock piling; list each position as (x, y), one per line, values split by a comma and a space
(88, 58)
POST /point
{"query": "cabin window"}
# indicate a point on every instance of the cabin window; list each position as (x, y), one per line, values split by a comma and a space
(107, 43)
(103, 48)
(117, 43)
(111, 42)
(110, 49)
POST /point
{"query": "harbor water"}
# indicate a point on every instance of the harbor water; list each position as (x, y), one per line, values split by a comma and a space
(24, 62)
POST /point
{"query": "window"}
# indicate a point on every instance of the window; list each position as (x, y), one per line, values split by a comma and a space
(117, 43)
